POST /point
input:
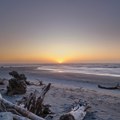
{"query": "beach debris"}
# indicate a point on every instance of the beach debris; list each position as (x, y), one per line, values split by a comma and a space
(35, 104)
(78, 112)
(22, 111)
(17, 76)
(17, 84)
(110, 88)
(39, 83)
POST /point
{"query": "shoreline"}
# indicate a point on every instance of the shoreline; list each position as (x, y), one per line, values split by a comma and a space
(70, 80)
(69, 88)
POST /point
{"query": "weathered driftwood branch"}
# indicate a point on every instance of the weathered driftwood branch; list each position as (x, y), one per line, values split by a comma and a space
(109, 88)
(22, 111)
(77, 113)
(35, 104)
(17, 117)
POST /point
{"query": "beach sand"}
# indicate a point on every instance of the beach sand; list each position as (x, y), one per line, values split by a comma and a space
(68, 88)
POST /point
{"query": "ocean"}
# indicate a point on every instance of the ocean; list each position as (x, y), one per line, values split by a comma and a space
(94, 69)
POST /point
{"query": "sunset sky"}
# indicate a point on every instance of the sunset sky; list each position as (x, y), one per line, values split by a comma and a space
(51, 31)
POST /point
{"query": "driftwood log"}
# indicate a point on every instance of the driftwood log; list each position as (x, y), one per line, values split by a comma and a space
(78, 112)
(17, 84)
(31, 107)
(109, 88)
(35, 104)
(22, 111)
(17, 117)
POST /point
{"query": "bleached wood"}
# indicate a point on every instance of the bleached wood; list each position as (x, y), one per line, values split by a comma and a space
(17, 117)
(78, 112)
(22, 111)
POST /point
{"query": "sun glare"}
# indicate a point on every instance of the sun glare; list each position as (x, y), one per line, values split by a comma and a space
(60, 61)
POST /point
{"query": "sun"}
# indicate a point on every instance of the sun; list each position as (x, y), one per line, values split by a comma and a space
(60, 61)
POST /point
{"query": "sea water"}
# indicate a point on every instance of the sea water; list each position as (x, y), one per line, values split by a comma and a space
(108, 69)
(95, 69)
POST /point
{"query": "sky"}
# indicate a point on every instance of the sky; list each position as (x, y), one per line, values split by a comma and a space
(56, 31)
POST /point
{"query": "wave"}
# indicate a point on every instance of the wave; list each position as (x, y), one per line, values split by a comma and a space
(101, 69)
(94, 69)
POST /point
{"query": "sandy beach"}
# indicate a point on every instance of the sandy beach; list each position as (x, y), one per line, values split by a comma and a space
(68, 88)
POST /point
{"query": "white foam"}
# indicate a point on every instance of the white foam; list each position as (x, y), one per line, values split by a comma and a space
(99, 70)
